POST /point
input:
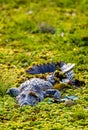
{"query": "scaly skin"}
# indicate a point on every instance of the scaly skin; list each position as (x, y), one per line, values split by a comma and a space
(35, 90)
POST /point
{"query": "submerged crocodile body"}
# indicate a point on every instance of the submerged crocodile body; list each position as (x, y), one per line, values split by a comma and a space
(35, 90)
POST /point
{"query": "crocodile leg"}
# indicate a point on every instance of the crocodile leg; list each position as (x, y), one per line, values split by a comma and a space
(52, 92)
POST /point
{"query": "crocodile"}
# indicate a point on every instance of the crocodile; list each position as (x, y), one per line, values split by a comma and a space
(34, 90)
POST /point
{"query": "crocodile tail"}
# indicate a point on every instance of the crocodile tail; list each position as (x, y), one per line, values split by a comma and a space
(44, 68)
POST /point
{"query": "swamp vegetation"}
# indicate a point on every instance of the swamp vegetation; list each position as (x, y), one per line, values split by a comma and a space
(36, 32)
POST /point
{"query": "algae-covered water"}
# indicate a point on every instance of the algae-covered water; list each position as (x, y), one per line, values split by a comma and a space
(36, 32)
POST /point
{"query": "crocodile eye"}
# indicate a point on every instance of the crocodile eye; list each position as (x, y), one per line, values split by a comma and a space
(23, 95)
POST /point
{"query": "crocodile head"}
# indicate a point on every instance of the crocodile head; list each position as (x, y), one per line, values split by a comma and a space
(29, 98)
